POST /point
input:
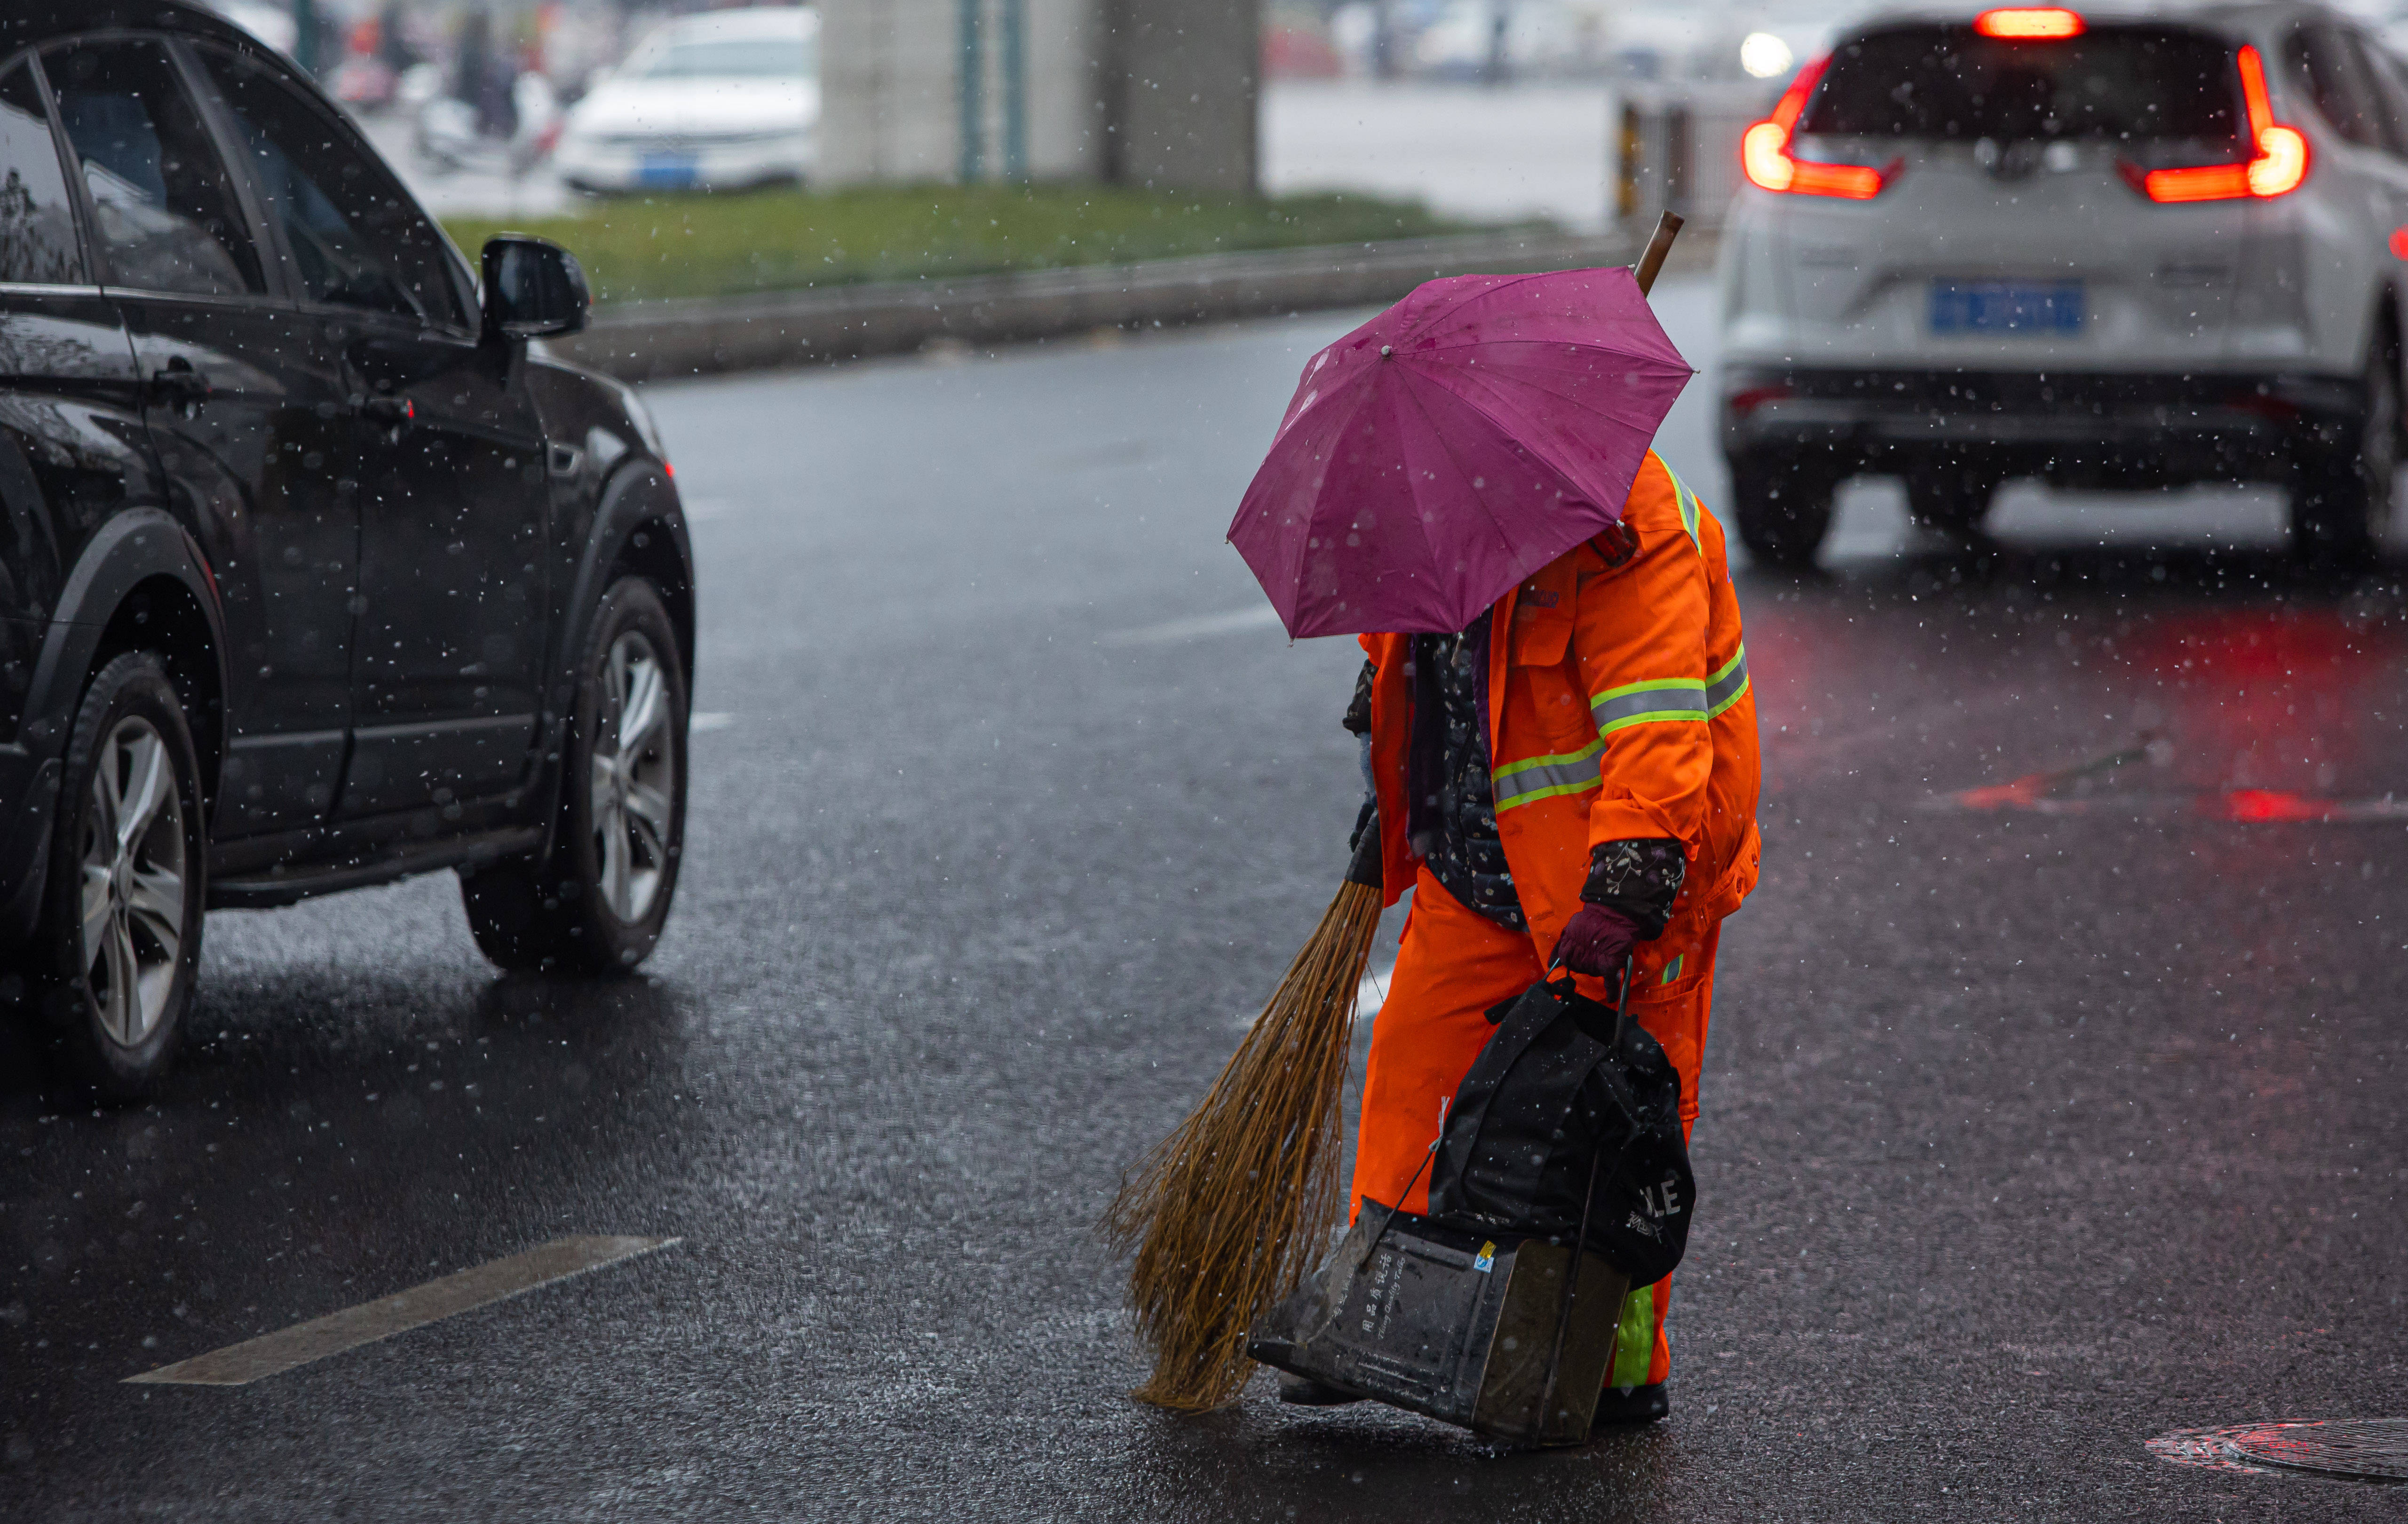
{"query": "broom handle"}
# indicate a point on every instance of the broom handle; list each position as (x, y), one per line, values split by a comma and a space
(1667, 227)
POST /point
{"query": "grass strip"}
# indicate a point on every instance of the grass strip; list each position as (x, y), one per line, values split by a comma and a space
(651, 248)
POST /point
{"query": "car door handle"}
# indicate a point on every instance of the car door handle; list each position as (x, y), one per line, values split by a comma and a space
(179, 386)
(395, 413)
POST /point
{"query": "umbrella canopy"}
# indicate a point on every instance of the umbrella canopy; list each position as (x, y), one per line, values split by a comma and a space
(1454, 445)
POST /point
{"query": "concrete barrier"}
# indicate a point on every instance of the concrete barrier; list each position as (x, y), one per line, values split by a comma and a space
(657, 340)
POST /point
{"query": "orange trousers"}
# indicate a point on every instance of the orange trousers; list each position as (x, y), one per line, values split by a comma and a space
(1453, 966)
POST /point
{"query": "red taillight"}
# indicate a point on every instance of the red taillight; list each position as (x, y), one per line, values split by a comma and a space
(2047, 23)
(2277, 166)
(1764, 151)
(2400, 243)
(1747, 399)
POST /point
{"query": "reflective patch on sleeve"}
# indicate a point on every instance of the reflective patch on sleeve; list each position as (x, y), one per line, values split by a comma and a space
(1728, 686)
(1648, 703)
(1688, 501)
(1546, 777)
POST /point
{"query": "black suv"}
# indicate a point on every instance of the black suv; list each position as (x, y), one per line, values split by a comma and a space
(314, 570)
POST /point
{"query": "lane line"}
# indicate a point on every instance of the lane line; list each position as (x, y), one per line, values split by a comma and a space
(239, 1365)
(1251, 618)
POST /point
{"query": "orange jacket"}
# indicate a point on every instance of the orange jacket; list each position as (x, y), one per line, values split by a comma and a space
(1618, 707)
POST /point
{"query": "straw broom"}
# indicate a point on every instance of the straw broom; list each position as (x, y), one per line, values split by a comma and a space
(1225, 1214)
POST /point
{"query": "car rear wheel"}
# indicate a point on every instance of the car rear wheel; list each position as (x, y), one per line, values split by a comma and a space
(596, 901)
(120, 928)
(2342, 498)
(1782, 511)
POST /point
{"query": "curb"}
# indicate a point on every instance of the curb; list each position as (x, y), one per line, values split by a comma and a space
(660, 340)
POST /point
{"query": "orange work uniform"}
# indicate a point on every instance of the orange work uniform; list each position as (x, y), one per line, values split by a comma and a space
(1618, 708)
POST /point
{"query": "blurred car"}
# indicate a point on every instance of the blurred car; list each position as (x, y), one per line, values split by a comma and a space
(271, 23)
(321, 572)
(717, 101)
(2130, 248)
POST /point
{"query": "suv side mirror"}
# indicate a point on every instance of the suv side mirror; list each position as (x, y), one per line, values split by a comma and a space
(533, 287)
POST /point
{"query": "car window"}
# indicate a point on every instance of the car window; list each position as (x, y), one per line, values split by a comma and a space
(2382, 71)
(2337, 78)
(164, 207)
(725, 58)
(354, 236)
(1946, 82)
(39, 245)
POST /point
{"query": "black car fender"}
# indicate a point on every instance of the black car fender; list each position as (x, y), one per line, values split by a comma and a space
(131, 549)
(143, 545)
(638, 527)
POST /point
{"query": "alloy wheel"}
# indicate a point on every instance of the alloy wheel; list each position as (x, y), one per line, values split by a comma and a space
(635, 777)
(133, 877)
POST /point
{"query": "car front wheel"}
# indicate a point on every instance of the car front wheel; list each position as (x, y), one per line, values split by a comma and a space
(595, 902)
(121, 932)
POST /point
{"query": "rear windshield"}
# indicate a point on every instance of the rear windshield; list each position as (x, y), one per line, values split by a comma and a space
(1949, 83)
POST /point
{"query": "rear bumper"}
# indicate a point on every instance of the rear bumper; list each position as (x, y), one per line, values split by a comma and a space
(2097, 428)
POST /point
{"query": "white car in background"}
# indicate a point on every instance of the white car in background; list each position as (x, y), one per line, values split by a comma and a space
(719, 101)
(2123, 247)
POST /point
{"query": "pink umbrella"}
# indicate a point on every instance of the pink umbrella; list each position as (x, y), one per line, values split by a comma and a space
(1454, 445)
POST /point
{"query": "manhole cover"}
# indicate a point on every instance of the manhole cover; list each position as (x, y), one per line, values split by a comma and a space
(2368, 1449)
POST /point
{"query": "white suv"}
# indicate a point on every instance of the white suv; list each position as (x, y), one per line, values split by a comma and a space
(2110, 249)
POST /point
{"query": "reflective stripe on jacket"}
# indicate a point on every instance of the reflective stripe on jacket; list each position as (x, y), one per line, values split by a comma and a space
(1618, 707)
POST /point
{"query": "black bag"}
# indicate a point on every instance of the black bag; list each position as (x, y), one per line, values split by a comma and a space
(1570, 1100)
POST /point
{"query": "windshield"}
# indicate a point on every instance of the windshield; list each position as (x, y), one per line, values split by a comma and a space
(1948, 83)
(698, 58)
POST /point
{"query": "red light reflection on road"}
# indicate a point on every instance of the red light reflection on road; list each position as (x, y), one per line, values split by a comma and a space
(2259, 715)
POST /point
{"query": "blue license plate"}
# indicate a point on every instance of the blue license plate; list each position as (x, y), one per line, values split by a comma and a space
(666, 170)
(2036, 310)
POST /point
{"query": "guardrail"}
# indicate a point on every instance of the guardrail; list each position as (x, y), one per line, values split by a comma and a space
(1678, 150)
(658, 341)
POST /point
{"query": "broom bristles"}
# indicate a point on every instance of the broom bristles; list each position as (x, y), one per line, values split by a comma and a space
(1228, 1213)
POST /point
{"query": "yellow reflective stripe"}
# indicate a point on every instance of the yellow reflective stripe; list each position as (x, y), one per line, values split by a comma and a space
(1728, 686)
(1648, 703)
(1546, 777)
(1688, 501)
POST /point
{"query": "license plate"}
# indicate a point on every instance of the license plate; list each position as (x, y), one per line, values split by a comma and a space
(2038, 309)
(666, 170)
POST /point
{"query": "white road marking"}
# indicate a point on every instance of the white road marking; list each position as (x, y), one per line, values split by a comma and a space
(1372, 993)
(1253, 618)
(239, 1365)
(1369, 997)
(708, 719)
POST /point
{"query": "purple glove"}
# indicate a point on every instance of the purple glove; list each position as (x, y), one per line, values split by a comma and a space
(1596, 941)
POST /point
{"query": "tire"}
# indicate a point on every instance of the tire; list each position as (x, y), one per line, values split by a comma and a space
(1950, 498)
(596, 901)
(1783, 512)
(120, 934)
(2342, 498)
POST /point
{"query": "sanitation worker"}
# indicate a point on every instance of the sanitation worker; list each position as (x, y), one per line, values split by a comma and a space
(1576, 773)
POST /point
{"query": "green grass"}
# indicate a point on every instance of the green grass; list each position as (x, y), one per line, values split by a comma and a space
(649, 247)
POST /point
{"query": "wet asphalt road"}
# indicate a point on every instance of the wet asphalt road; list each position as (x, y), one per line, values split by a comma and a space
(2037, 1122)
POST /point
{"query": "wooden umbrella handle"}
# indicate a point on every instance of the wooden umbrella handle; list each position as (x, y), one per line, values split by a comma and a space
(1667, 227)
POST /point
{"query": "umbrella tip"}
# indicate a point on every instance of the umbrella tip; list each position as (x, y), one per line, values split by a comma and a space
(1387, 349)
